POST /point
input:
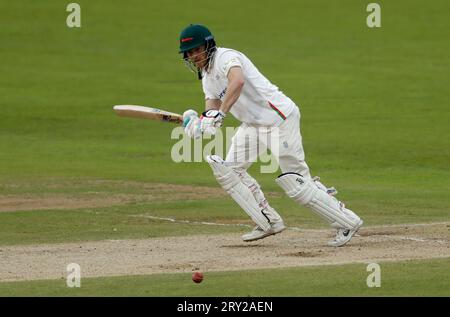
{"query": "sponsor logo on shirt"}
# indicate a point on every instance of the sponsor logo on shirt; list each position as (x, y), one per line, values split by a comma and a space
(222, 93)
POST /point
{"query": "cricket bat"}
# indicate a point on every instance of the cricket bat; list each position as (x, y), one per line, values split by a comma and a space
(148, 113)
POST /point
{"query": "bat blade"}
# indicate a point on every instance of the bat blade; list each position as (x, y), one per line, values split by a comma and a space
(143, 112)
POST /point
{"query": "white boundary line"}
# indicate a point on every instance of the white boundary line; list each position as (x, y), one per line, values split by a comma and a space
(193, 222)
(416, 239)
(291, 228)
(425, 224)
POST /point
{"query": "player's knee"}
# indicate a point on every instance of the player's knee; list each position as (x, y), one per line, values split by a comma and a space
(297, 187)
(238, 167)
(291, 164)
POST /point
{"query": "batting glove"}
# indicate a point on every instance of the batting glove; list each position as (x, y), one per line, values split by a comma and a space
(210, 120)
(191, 124)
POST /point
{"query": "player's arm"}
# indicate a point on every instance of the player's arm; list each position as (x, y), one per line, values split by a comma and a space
(213, 104)
(213, 119)
(235, 84)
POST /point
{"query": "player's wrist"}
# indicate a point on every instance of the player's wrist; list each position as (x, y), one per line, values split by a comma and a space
(222, 113)
(214, 114)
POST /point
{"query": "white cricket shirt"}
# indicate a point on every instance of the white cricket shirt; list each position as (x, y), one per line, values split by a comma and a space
(260, 102)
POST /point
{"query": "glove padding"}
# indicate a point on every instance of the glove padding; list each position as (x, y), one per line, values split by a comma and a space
(211, 120)
(191, 124)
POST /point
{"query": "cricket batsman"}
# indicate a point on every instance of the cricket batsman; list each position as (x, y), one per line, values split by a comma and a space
(232, 84)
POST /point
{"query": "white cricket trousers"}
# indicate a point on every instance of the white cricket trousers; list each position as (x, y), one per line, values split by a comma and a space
(285, 144)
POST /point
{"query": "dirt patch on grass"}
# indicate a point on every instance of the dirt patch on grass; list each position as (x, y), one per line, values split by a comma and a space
(24, 203)
(63, 194)
(223, 252)
(125, 193)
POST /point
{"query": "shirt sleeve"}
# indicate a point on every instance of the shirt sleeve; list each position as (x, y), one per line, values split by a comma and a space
(228, 60)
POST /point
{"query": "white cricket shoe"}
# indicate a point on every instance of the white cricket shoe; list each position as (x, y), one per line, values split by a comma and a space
(259, 233)
(344, 235)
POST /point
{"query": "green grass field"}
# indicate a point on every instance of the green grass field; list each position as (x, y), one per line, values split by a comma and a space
(375, 113)
(414, 278)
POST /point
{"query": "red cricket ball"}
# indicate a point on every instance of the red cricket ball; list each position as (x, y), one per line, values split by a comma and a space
(197, 277)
